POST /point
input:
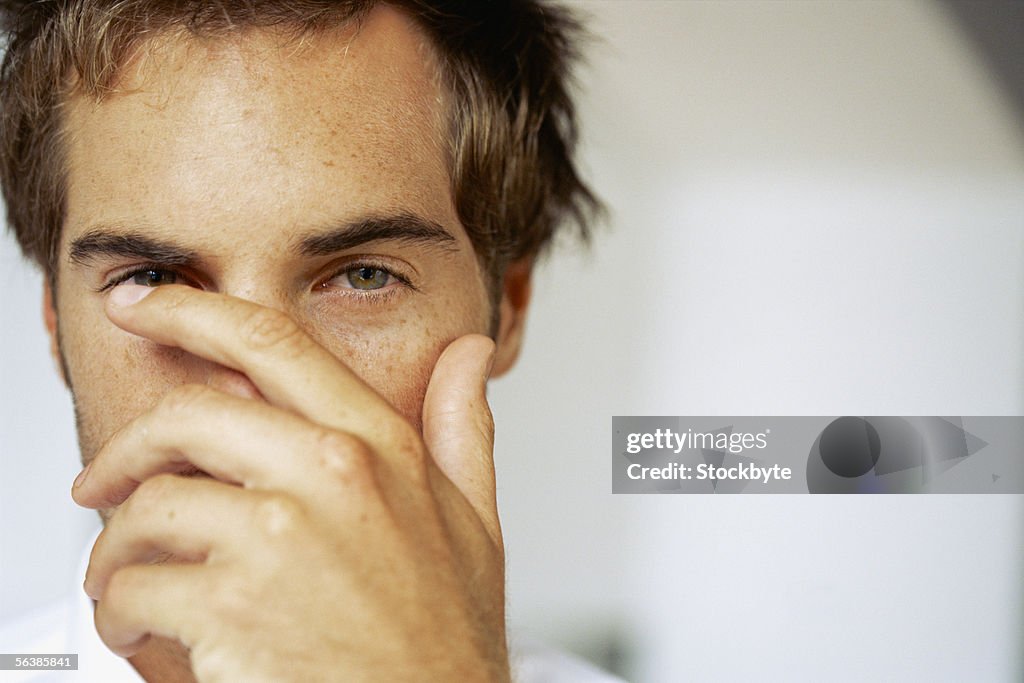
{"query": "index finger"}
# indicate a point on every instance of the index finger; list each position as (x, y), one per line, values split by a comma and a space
(289, 367)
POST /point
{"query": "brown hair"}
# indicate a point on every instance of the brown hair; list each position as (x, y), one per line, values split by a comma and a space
(507, 64)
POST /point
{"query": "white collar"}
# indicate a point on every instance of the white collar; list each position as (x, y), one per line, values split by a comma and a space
(95, 660)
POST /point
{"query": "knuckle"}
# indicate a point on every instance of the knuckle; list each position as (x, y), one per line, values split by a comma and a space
(213, 663)
(268, 328)
(150, 495)
(343, 456)
(278, 515)
(230, 600)
(122, 585)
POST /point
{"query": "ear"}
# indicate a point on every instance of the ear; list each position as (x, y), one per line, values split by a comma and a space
(50, 319)
(515, 299)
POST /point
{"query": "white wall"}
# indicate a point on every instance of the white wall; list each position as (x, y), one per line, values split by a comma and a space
(816, 210)
(41, 529)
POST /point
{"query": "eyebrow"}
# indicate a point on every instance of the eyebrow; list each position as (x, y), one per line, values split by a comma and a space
(116, 242)
(110, 242)
(404, 227)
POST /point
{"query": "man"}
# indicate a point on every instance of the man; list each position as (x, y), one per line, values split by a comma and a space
(285, 244)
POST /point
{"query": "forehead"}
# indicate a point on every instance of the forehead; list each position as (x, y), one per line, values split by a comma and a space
(223, 130)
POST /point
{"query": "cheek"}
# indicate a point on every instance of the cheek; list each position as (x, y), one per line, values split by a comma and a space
(396, 355)
(396, 366)
(114, 378)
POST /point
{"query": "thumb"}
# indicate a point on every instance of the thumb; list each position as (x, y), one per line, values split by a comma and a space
(457, 425)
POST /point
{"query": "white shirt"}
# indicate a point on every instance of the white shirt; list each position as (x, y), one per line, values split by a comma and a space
(66, 627)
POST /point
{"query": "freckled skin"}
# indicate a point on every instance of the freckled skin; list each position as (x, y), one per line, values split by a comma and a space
(202, 147)
(234, 148)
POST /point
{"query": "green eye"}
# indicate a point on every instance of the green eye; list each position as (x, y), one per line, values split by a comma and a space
(368, 277)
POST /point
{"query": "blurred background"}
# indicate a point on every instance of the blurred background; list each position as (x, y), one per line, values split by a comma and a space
(817, 208)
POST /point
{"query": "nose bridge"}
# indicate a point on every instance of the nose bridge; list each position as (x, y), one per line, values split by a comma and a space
(258, 280)
(248, 279)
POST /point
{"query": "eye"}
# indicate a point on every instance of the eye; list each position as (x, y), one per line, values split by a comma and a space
(153, 277)
(145, 276)
(368, 280)
(367, 277)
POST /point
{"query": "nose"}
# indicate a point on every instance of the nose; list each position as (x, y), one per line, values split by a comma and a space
(251, 282)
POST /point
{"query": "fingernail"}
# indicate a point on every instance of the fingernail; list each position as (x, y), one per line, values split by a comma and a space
(126, 295)
(80, 479)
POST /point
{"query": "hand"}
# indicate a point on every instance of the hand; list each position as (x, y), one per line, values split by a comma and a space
(330, 542)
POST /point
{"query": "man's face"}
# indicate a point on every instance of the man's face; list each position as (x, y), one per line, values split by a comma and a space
(244, 166)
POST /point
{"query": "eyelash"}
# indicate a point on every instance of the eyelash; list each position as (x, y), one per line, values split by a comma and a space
(135, 270)
(369, 294)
